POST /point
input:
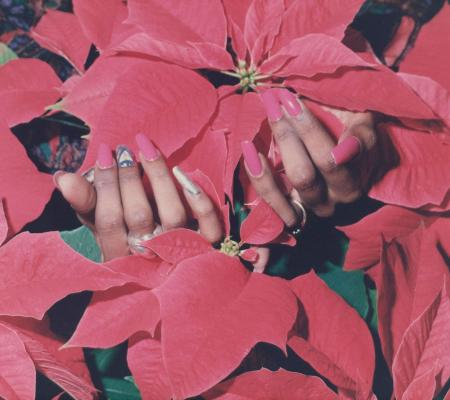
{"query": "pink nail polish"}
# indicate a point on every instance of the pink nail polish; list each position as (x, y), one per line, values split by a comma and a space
(56, 177)
(104, 157)
(348, 149)
(272, 105)
(148, 150)
(290, 102)
(251, 158)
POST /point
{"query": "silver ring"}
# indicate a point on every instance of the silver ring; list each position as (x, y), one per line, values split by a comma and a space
(135, 241)
(299, 208)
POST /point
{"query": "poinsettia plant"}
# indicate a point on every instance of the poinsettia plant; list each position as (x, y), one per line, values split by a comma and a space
(194, 316)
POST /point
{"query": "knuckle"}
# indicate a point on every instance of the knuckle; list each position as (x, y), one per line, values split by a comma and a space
(159, 172)
(139, 219)
(110, 223)
(105, 182)
(329, 166)
(324, 210)
(205, 210)
(351, 196)
(283, 132)
(176, 220)
(303, 181)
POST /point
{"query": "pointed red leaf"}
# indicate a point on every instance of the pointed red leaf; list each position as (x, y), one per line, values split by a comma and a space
(172, 21)
(316, 16)
(276, 385)
(27, 86)
(237, 39)
(213, 312)
(160, 98)
(64, 367)
(262, 24)
(424, 163)
(377, 89)
(240, 117)
(348, 360)
(16, 368)
(61, 33)
(176, 245)
(237, 11)
(100, 19)
(424, 346)
(262, 225)
(310, 55)
(114, 315)
(3, 224)
(15, 165)
(146, 363)
(39, 269)
(367, 236)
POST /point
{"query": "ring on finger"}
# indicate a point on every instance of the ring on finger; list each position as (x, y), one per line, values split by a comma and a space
(135, 241)
(300, 210)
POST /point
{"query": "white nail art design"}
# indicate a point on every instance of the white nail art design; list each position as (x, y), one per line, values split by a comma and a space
(185, 181)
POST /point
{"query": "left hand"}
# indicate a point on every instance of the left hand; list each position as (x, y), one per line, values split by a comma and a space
(321, 172)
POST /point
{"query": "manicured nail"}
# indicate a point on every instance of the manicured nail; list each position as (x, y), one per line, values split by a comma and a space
(345, 151)
(104, 157)
(185, 181)
(56, 177)
(125, 157)
(272, 105)
(251, 158)
(148, 150)
(290, 102)
(89, 175)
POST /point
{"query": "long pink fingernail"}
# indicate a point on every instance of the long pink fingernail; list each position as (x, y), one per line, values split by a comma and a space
(148, 150)
(105, 158)
(272, 105)
(251, 158)
(345, 151)
(290, 102)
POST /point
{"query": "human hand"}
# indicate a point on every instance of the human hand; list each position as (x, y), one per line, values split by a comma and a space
(116, 207)
(321, 172)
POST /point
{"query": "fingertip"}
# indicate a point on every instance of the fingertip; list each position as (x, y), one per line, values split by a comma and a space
(77, 191)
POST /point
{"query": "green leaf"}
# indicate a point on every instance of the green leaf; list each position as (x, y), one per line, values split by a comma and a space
(120, 389)
(105, 359)
(6, 54)
(83, 241)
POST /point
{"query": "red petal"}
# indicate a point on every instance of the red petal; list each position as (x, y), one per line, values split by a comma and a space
(240, 117)
(364, 89)
(3, 224)
(310, 55)
(61, 33)
(161, 99)
(100, 20)
(237, 11)
(237, 38)
(424, 346)
(39, 269)
(273, 385)
(421, 176)
(213, 312)
(15, 165)
(348, 360)
(64, 367)
(27, 86)
(262, 24)
(367, 236)
(16, 367)
(262, 225)
(146, 363)
(178, 244)
(114, 315)
(180, 22)
(316, 16)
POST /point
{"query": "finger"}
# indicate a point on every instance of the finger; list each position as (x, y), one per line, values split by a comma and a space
(202, 207)
(263, 259)
(170, 208)
(296, 160)
(109, 222)
(358, 137)
(136, 208)
(262, 180)
(79, 193)
(341, 185)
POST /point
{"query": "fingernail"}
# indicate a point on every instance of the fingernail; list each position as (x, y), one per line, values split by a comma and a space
(125, 157)
(89, 175)
(56, 177)
(146, 147)
(185, 181)
(104, 157)
(272, 105)
(251, 158)
(290, 102)
(345, 151)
